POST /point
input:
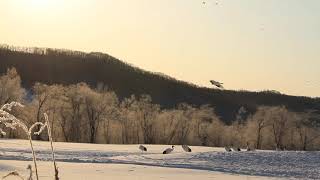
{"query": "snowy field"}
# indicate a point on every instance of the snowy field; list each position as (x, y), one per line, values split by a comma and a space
(94, 161)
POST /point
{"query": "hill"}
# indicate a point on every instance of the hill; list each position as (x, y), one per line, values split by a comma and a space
(54, 66)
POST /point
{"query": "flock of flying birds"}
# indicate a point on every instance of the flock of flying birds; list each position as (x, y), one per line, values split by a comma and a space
(205, 2)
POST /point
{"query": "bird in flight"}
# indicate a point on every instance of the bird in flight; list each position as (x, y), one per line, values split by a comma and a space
(217, 84)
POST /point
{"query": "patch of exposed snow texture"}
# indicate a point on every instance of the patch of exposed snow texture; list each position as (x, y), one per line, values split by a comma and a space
(285, 164)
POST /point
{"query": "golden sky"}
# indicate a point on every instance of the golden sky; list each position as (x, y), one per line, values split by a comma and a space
(247, 44)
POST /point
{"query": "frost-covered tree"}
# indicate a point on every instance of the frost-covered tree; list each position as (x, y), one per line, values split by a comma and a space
(280, 124)
(146, 112)
(72, 113)
(10, 90)
(308, 131)
(111, 113)
(97, 107)
(256, 124)
(10, 87)
(43, 98)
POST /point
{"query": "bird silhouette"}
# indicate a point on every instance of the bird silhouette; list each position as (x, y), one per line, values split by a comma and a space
(217, 84)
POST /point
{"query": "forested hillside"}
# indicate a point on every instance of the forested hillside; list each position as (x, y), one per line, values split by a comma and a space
(54, 66)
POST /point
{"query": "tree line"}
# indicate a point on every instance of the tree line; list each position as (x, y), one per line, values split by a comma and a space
(59, 66)
(78, 113)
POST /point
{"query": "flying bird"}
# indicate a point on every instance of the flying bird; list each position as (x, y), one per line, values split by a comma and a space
(216, 83)
(142, 148)
(186, 148)
(168, 150)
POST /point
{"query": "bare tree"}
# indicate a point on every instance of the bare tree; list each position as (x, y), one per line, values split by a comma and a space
(72, 112)
(260, 122)
(125, 117)
(279, 122)
(167, 125)
(43, 95)
(98, 106)
(202, 119)
(147, 113)
(94, 106)
(307, 129)
(185, 121)
(111, 112)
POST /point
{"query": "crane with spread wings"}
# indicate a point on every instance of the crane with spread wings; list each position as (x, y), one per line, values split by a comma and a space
(217, 84)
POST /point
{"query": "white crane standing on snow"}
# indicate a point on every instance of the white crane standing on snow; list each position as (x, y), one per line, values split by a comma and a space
(142, 148)
(186, 148)
(227, 149)
(168, 150)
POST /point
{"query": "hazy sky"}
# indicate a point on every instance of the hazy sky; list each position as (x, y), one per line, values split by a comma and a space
(247, 44)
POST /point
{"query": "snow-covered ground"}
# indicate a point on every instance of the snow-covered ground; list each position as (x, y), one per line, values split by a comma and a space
(94, 161)
(98, 171)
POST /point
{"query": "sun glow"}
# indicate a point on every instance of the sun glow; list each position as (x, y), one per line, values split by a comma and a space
(168, 36)
(34, 5)
(43, 5)
(40, 3)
